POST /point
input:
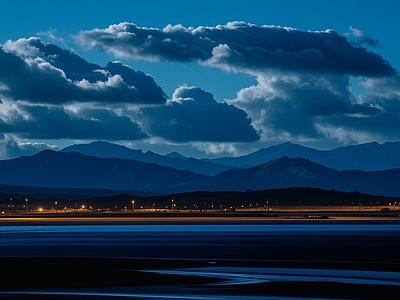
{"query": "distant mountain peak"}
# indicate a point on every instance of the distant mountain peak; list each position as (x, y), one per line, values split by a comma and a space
(101, 143)
(175, 155)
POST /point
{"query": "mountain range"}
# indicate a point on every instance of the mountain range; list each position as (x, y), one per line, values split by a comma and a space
(366, 157)
(66, 169)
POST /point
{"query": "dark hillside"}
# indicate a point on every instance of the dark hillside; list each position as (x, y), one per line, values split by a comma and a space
(201, 200)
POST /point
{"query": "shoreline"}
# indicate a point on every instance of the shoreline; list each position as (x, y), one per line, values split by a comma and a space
(330, 217)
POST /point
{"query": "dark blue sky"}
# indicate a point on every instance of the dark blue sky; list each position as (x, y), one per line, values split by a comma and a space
(203, 79)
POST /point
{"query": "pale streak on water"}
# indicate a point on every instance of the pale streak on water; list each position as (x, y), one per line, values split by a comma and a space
(235, 275)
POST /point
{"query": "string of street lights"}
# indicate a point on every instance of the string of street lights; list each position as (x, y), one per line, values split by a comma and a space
(173, 208)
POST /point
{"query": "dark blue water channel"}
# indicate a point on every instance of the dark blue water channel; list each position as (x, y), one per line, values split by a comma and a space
(234, 255)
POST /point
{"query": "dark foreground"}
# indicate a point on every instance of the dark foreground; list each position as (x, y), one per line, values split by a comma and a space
(355, 260)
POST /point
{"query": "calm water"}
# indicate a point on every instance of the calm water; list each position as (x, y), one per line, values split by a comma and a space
(359, 245)
(234, 228)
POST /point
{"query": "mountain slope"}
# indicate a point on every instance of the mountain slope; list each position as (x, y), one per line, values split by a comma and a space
(298, 172)
(75, 170)
(109, 150)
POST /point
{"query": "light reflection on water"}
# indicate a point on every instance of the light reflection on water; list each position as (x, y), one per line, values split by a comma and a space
(239, 275)
(235, 276)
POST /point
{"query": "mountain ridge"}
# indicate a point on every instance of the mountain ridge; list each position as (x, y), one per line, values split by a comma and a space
(59, 169)
(108, 150)
(75, 170)
(368, 157)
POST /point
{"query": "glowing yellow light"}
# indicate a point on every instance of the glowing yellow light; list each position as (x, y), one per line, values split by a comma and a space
(40, 209)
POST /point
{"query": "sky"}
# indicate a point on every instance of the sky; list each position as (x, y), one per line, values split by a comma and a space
(205, 79)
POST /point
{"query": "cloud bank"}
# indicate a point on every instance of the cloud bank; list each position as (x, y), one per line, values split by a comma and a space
(240, 46)
(47, 92)
(39, 73)
(303, 94)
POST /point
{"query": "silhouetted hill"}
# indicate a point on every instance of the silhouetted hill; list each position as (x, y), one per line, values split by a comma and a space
(367, 157)
(300, 172)
(177, 161)
(64, 193)
(201, 200)
(319, 199)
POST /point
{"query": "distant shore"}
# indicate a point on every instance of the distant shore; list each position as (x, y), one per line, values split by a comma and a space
(310, 217)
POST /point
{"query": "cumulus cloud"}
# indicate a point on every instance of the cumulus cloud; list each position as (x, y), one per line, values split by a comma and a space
(240, 46)
(127, 40)
(57, 122)
(194, 115)
(305, 108)
(303, 91)
(50, 93)
(53, 93)
(35, 72)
